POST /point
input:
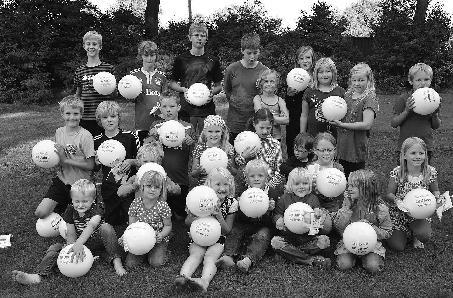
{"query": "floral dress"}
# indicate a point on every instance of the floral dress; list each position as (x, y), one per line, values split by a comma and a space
(400, 219)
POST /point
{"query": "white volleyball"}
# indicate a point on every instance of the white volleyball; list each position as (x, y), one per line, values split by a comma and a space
(68, 266)
(331, 182)
(104, 83)
(171, 133)
(48, 226)
(420, 203)
(202, 201)
(297, 218)
(334, 108)
(130, 86)
(254, 202)
(205, 231)
(298, 79)
(426, 101)
(198, 94)
(359, 238)
(139, 238)
(213, 158)
(246, 139)
(44, 154)
(110, 152)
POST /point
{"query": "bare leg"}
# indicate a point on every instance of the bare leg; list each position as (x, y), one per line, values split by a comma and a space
(26, 278)
(209, 268)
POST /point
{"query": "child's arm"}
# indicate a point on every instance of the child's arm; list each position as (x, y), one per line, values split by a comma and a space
(343, 216)
(85, 164)
(400, 116)
(365, 124)
(283, 118)
(197, 169)
(78, 92)
(384, 227)
(391, 191)
(166, 230)
(216, 88)
(304, 116)
(177, 87)
(77, 248)
(225, 223)
(256, 103)
(435, 120)
(172, 187)
(129, 187)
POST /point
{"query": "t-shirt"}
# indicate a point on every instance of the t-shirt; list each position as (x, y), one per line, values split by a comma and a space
(77, 145)
(71, 216)
(414, 125)
(240, 89)
(176, 159)
(189, 69)
(352, 145)
(125, 137)
(83, 78)
(154, 216)
(315, 122)
(290, 198)
(153, 85)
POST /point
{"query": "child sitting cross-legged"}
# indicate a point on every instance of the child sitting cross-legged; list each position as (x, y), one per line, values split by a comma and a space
(300, 248)
(85, 226)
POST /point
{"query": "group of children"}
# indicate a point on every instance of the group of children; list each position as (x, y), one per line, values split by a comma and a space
(313, 144)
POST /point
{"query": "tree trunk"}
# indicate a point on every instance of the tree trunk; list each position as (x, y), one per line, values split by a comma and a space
(189, 3)
(420, 12)
(152, 18)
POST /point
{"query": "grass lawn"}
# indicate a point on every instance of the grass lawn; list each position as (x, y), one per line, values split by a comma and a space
(425, 273)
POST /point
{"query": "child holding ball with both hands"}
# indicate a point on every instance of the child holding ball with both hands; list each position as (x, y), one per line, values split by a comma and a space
(222, 182)
(353, 130)
(413, 172)
(362, 203)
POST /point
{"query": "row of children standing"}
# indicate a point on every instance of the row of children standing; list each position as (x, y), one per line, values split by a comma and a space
(261, 168)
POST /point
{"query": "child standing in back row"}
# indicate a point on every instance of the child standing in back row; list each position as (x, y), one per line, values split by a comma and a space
(324, 85)
(268, 84)
(83, 81)
(305, 58)
(353, 130)
(410, 123)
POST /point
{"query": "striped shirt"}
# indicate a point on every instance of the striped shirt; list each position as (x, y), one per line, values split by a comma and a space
(83, 78)
(71, 216)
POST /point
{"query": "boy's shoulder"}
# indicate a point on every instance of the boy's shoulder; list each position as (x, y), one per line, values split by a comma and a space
(82, 132)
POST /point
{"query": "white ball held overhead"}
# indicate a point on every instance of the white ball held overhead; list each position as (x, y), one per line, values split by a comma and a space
(426, 101)
(420, 203)
(205, 231)
(298, 79)
(130, 87)
(111, 151)
(331, 182)
(246, 139)
(104, 83)
(201, 201)
(334, 108)
(48, 226)
(171, 133)
(68, 266)
(198, 94)
(297, 218)
(44, 154)
(149, 166)
(139, 238)
(359, 238)
(254, 202)
(213, 158)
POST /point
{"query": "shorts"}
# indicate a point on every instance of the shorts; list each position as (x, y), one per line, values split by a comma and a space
(60, 193)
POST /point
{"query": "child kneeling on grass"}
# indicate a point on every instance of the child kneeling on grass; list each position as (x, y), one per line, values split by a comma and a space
(151, 207)
(300, 248)
(84, 226)
(221, 180)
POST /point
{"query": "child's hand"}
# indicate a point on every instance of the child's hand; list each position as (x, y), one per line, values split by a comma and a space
(121, 241)
(271, 205)
(291, 91)
(96, 159)
(318, 212)
(126, 165)
(410, 104)
(440, 200)
(60, 151)
(280, 225)
(336, 123)
(78, 253)
(188, 140)
(250, 152)
(401, 206)
(159, 238)
(348, 202)
(201, 171)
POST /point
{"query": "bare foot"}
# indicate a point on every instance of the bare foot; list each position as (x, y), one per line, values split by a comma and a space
(26, 278)
(244, 264)
(119, 269)
(418, 244)
(197, 284)
(224, 262)
(180, 281)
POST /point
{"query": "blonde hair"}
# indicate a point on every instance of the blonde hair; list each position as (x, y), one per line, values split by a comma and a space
(256, 164)
(368, 186)
(107, 108)
(154, 178)
(263, 76)
(324, 136)
(71, 101)
(298, 174)
(419, 67)
(198, 27)
(85, 187)
(325, 62)
(250, 41)
(146, 46)
(92, 35)
(224, 173)
(365, 69)
(152, 149)
(303, 50)
(407, 144)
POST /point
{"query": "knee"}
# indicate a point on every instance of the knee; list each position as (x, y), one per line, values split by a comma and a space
(397, 241)
(345, 261)
(373, 264)
(157, 261)
(422, 231)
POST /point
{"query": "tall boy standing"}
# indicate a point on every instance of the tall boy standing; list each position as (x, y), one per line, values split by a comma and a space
(240, 84)
(83, 81)
(196, 66)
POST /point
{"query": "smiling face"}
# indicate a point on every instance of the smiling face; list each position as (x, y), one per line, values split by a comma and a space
(220, 185)
(301, 187)
(81, 201)
(257, 177)
(305, 60)
(324, 76)
(92, 47)
(151, 191)
(325, 151)
(359, 82)
(415, 155)
(213, 135)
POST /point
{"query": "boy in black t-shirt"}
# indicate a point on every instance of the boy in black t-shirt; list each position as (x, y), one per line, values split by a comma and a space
(196, 66)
